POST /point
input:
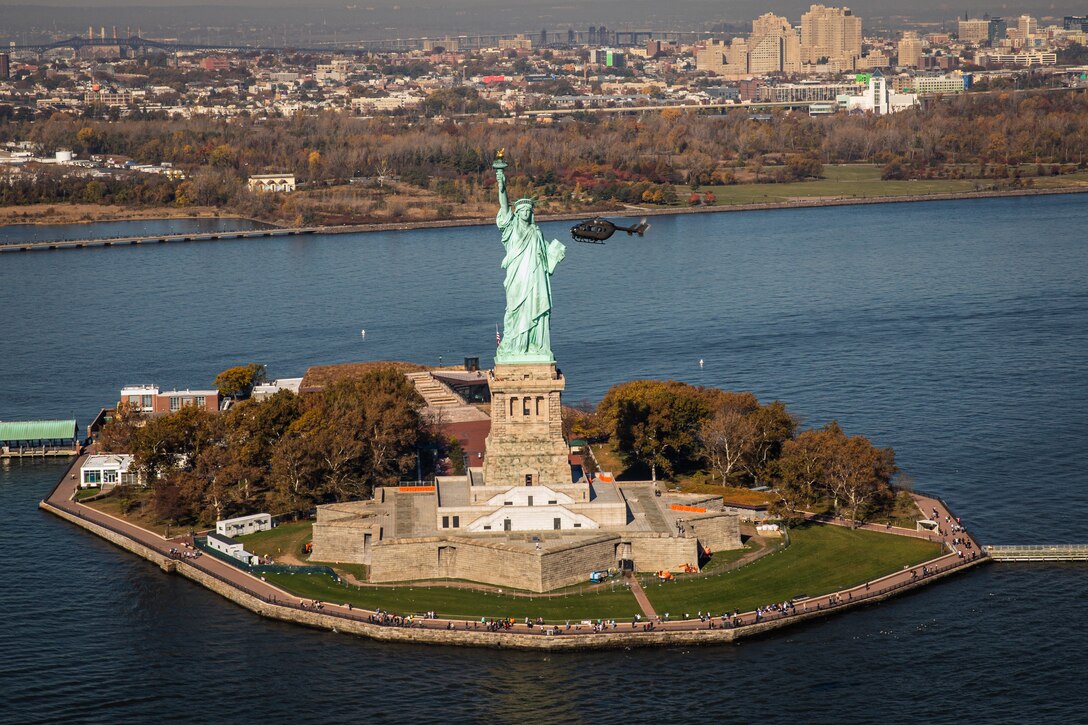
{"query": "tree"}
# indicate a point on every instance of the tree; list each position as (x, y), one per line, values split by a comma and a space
(354, 435)
(729, 434)
(238, 381)
(118, 435)
(825, 462)
(655, 423)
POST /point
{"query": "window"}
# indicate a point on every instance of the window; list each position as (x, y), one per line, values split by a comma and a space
(577, 526)
(92, 477)
(200, 401)
(487, 527)
(506, 525)
(557, 524)
(526, 410)
(552, 503)
(109, 476)
(528, 479)
(513, 403)
(540, 405)
(530, 500)
(175, 404)
(456, 522)
(507, 503)
(147, 401)
(134, 399)
(445, 522)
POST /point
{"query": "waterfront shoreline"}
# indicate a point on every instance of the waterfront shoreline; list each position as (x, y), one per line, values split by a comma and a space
(631, 211)
(339, 619)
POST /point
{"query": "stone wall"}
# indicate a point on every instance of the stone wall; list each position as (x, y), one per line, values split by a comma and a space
(573, 564)
(492, 562)
(717, 532)
(341, 542)
(655, 552)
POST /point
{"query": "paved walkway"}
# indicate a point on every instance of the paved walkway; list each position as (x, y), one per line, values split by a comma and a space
(61, 497)
(641, 598)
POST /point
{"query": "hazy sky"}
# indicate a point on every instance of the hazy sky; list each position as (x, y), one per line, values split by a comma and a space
(401, 17)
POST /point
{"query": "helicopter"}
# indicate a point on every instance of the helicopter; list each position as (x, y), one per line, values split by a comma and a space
(597, 230)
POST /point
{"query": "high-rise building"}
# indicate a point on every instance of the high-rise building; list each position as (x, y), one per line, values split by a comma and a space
(833, 34)
(997, 30)
(1075, 22)
(974, 30)
(910, 50)
(774, 46)
(1027, 25)
(5, 66)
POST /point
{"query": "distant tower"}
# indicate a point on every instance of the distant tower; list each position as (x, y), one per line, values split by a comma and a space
(592, 34)
(5, 66)
(570, 36)
(90, 32)
(602, 35)
(543, 37)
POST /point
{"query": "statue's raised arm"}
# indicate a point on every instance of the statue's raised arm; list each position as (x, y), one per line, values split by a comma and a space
(500, 176)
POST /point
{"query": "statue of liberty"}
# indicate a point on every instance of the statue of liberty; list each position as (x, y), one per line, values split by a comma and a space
(529, 264)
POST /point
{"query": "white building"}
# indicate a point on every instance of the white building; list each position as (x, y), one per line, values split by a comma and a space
(230, 547)
(878, 98)
(107, 470)
(267, 390)
(271, 182)
(242, 525)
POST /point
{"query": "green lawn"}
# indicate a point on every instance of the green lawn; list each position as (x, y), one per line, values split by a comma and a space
(820, 559)
(87, 492)
(463, 603)
(284, 539)
(863, 180)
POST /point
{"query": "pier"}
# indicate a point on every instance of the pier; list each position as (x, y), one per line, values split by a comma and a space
(1039, 552)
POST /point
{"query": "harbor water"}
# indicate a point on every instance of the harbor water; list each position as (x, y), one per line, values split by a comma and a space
(955, 332)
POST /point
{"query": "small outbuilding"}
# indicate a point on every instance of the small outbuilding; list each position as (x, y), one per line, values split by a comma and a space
(230, 547)
(108, 470)
(242, 525)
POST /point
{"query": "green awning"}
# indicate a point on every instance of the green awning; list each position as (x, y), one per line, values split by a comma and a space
(38, 430)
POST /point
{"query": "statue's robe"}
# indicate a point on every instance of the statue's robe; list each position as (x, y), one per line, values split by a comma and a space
(529, 264)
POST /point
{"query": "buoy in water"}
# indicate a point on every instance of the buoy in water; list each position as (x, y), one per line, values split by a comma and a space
(700, 362)
(362, 333)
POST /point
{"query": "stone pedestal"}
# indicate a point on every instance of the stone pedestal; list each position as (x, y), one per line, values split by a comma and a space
(525, 445)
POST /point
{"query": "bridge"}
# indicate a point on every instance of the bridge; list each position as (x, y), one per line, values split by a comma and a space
(155, 239)
(1039, 552)
(136, 43)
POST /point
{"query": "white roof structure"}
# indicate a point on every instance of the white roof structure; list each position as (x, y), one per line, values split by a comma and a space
(117, 461)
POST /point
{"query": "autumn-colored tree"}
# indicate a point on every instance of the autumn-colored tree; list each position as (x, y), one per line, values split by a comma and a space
(238, 381)
(655, 423)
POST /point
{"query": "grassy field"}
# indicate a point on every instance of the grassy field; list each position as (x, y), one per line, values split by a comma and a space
(863, 181)
(821, 559)
(284, 541)
(463, 603)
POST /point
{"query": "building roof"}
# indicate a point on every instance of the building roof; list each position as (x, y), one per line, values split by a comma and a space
(38, 430)
(223, 539)
(102, 460)
(245, 519)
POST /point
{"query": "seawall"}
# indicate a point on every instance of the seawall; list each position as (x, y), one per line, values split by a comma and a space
(354, 623)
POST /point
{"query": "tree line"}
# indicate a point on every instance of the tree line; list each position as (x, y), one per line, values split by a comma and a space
(669, 428)
(286, 453)
(588, 158)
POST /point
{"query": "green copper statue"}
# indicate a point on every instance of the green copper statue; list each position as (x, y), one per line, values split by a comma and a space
(529, 264)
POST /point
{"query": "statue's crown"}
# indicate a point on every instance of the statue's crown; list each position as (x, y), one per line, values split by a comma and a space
(525, 201)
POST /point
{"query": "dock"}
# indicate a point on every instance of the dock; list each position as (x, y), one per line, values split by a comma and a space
(1039, 552)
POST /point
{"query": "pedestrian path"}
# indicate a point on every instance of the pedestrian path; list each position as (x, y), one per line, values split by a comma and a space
(641, 598)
